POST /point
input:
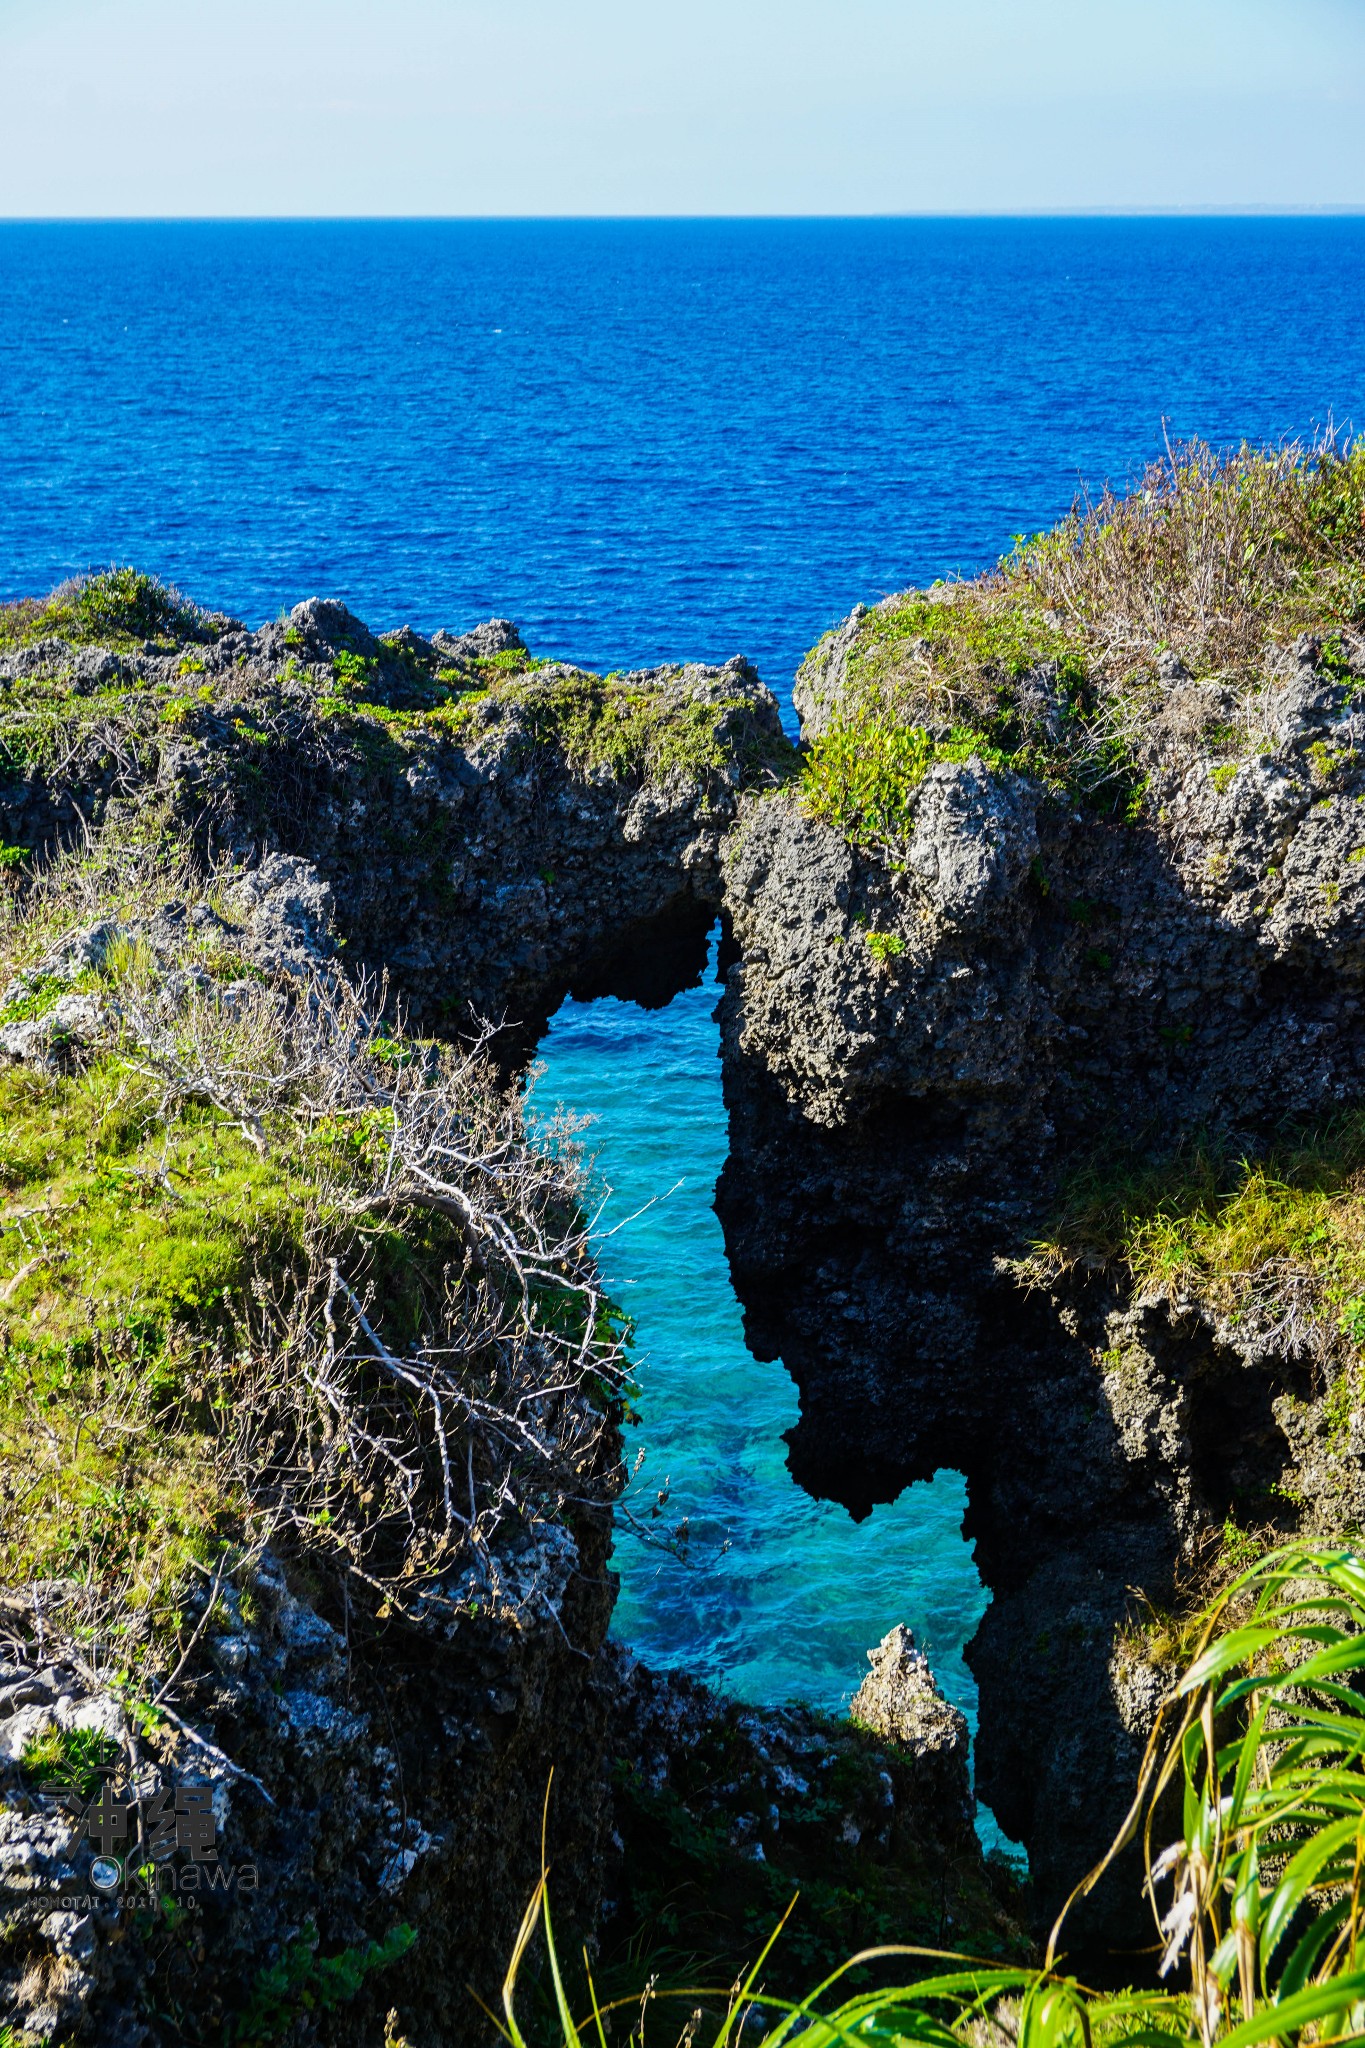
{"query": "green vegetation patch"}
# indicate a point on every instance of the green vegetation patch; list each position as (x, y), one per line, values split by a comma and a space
(598, 725)
(1051, 666)
(125, 1234)
(863, 772)
(1238, 1234)
(958, 634)
(235, 1295)
(69, 1756)
(605, 724)
(44, 721)
(303, 1983)
(116, 608)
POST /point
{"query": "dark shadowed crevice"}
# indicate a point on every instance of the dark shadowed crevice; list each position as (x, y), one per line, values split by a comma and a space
(652, 960)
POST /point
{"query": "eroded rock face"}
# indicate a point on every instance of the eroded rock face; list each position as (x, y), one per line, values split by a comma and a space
(919, 1049)
(345, 1797)
(561, 834)
(974, 838)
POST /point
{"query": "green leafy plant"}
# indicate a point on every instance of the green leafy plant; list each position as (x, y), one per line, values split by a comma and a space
(69, 1756)
(302, 1981)
(353, 671)
(114, 607)
(863, 772)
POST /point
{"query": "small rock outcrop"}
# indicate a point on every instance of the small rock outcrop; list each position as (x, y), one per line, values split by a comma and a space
(900, 1699)
(726, 1810)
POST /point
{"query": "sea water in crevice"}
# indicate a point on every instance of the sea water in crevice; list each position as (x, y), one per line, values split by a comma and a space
(774, 1596)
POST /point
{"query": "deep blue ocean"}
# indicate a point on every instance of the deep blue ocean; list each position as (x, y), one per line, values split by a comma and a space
(645, 441)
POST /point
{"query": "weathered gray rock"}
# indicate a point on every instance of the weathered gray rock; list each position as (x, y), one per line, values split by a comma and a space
(493, 636)
(289, 911)
(823, 674)
(921, 1044)
(339, 1803)
(973, 841)
(73, 1021)
(900, 1698)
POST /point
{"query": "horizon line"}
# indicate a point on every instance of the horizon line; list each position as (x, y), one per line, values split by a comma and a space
(1344, 211)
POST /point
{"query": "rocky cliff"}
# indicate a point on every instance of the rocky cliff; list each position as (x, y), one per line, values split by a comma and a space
(1043, 1060)
(310, 1391)
(307, 1453)
(1043, 1055)
(495, 827)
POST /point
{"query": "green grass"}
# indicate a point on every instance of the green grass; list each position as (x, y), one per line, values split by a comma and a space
(134, 1227)
(171, 1205)
(957, 638)
(1048, 667)
(1198, 1221)
(131, 1242)
(125, 1235)
(72, 1757)
(42, 717)
(595, 724)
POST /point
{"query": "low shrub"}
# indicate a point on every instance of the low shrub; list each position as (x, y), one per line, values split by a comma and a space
(113, 608)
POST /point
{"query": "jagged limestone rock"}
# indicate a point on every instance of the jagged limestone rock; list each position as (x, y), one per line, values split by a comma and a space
(925, 1044)
(900, 1698)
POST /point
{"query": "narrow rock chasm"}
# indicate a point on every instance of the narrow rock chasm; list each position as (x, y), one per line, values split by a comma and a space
(770, 1592)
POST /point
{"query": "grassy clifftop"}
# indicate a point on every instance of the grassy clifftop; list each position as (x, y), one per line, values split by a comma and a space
(493, 824)
(121, 653)
(1135, 636)
(267, 1271)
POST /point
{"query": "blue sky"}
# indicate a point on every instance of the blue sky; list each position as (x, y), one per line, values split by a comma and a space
(678, 106)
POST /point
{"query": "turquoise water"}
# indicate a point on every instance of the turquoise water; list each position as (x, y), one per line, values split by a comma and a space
(778, 1596)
